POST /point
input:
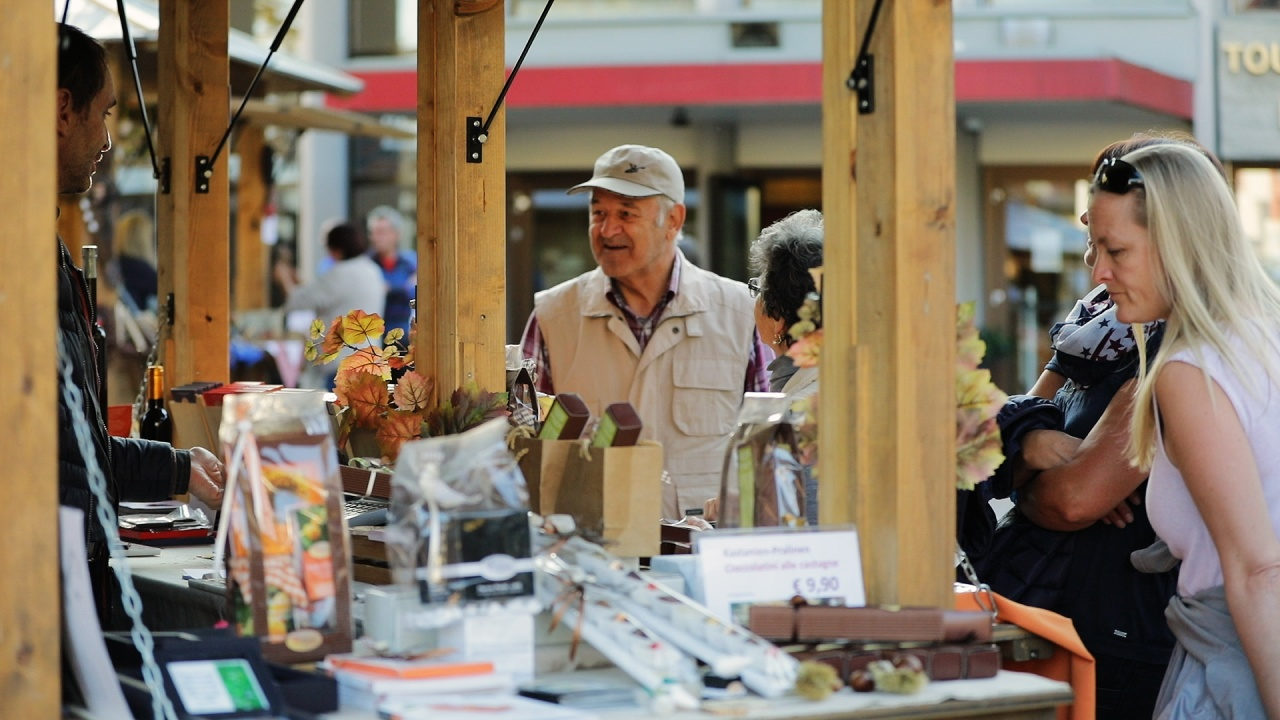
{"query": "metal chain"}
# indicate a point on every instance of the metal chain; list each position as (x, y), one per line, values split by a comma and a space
(984, 590)
(161, 706)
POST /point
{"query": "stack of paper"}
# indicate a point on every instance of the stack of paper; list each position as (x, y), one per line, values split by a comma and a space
(368, 682)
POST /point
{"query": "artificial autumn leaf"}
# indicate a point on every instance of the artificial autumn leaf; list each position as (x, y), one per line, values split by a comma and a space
(466, 407)
(808, 350)
(367, 361)
(311, 350)
(397, 428)
(969, 346)
(413, 391)
(393, 336)
(359, 328)
(332, 342)
(317, 329)
(978, 457)
(366, 396)
(401, 360)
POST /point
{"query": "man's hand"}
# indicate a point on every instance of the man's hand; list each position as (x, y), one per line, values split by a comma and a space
(1045, 449)
(207, 479)
(1122, 514)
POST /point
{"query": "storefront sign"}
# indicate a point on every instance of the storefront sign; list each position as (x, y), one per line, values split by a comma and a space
(1248, 73)
(768, 565)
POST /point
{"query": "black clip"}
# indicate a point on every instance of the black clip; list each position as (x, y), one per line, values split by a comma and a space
(204, 171)
(476, 137)
(163, 178)
(862, 82)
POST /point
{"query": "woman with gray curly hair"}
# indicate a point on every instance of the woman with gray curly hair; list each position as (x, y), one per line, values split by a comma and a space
(780, 259)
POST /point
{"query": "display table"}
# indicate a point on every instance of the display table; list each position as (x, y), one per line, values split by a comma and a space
(1007, 696)
(169, 599)
(171, 602)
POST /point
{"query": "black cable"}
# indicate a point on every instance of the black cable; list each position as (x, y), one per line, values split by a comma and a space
(871, 28)
(516, 68)
(275, 45)
(132, 51)
(66, 9)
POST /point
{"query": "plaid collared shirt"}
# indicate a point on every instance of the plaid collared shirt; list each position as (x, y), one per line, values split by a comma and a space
(755, 380)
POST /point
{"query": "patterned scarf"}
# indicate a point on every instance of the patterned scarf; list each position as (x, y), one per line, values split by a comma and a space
(1092, 332)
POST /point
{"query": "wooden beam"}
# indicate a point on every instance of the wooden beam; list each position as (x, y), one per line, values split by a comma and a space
(193, 227)
(251, 202)
(888, 369)
(461, 205)
(29, 607)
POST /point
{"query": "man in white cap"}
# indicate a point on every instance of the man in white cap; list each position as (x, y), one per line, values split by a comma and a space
(650, 328)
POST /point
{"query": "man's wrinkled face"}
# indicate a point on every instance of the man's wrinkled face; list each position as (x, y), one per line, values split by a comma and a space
(631, 237)
(83, 138)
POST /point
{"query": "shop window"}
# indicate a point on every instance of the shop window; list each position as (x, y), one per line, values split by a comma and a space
(1258, 197)
(1034, 265)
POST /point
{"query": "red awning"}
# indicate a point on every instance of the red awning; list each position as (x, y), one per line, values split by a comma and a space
(977, 81)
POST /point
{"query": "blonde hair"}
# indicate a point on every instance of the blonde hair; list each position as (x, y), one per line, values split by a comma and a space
(1218, 293)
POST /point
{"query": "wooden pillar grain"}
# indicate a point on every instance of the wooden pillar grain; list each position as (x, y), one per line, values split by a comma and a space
(29, 607)
(193, 227)
(251, 201)
(461, 205)
(887, 417)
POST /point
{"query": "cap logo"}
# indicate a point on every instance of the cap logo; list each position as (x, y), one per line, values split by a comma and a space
(633, 168)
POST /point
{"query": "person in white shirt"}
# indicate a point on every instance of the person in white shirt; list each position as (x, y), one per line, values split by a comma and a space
(353, 282)
(1171, 246)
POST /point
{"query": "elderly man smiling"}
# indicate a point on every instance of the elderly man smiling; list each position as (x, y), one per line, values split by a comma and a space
(650, 328)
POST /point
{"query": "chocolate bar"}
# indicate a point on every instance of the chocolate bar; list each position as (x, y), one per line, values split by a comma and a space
(966, 626)
(772, 622)
(822, 623)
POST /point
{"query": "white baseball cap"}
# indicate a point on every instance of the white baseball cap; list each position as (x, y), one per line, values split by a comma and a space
(636, 171)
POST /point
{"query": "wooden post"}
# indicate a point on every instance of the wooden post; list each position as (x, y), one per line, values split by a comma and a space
(251, 200)
(887, 416)
(29, 607)
(193, 227)
(461, 205)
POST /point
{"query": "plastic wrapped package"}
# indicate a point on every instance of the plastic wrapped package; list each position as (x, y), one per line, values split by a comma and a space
(575, 565)
(282, 526)
(763, 482)
(458, 523)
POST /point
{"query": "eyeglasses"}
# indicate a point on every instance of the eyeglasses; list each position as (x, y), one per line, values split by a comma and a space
(1117, 176)
(753, 287)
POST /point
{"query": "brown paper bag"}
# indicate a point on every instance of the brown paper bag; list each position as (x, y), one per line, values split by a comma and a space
(542, 463)
(617, 492)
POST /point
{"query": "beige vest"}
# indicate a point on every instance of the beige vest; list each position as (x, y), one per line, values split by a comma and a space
(686, 385)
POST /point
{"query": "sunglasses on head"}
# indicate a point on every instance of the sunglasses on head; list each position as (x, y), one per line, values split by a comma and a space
(1117, 176)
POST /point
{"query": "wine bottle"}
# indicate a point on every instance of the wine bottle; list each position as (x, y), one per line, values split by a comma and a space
(156, 423)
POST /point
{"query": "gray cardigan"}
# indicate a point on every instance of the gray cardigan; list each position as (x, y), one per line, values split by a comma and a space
(1209, 675)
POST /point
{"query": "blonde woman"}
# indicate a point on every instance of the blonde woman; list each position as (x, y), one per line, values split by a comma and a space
(1206, 419)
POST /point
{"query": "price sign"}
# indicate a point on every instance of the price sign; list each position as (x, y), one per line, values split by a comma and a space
(768, 565)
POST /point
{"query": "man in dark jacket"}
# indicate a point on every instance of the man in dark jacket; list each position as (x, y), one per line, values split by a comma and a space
(132, 469)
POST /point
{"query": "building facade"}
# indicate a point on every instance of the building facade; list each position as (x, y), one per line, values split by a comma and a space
(732, 89)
